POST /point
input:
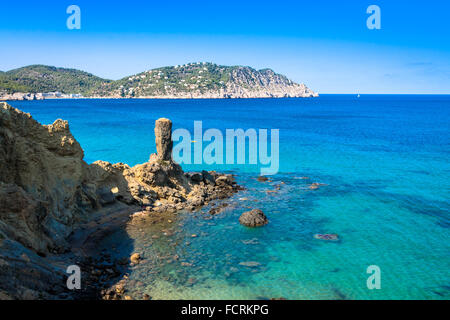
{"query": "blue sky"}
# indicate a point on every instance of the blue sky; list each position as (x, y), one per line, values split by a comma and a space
(324, 44)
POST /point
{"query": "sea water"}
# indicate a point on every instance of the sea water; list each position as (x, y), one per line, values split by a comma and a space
(384, 164)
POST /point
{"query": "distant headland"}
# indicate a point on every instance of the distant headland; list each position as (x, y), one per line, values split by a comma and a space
(189, 81)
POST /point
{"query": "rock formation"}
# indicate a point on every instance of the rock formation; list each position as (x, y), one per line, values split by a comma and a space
(47, 190)
(253, 218)
(43, 167)
(163, 138)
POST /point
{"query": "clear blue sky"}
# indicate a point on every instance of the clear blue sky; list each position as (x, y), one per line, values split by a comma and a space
(324, 44)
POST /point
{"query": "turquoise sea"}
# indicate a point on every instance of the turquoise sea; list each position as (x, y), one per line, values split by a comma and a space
(384, 161)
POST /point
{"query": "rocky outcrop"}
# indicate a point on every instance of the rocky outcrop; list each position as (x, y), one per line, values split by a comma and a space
(47, 190)
(163, 139)
(160, 184)
(21, 96)
(253, 218)
(42, 167)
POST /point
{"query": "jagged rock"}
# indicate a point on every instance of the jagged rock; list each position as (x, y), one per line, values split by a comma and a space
(45, 162)
(47, 191)
(208, 178)
(224, 180)
(218, 209)
(253, 218)
(196, 176)
(163, 138)
(21, 218)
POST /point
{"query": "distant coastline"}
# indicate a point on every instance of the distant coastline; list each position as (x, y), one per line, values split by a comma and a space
(200, 80)
(25, 97)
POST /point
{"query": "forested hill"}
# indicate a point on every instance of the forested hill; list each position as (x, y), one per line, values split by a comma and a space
(193, 80)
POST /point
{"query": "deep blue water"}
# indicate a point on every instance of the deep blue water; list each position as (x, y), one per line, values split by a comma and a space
(384, 163)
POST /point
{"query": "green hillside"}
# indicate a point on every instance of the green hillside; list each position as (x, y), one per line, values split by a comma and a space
(8, 85)
(183, 78)
(40, 78)
(192, 80)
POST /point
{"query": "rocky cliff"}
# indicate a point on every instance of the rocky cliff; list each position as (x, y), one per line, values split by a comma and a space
(209, 80)
(47, 190)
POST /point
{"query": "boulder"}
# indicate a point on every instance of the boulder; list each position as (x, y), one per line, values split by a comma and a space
(135, 258)
(196, 177)
(253, 218)
(208, 178)
(224, 180)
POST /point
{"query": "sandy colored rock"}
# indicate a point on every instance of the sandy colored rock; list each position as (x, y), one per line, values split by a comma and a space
(253, 218)
(47, 191)
(42, 167)
(163, 139)
(135, 258)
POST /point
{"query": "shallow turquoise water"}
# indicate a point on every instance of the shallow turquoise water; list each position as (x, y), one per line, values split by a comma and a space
(384, 160)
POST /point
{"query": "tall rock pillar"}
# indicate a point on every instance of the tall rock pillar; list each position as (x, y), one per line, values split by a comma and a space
(163, 139)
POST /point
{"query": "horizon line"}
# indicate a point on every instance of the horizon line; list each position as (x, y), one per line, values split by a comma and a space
(234, 65)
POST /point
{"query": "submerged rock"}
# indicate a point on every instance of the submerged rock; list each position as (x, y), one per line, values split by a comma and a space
(250, 264)
(253, 218)
(135, 258)
(327, 236)
(316, 185)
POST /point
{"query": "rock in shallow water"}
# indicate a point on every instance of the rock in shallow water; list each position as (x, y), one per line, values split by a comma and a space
(250, 264)
(135, 258)
(327, 236)
(253, 218)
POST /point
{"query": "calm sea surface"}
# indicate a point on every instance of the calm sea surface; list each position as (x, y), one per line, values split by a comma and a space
(385, 163)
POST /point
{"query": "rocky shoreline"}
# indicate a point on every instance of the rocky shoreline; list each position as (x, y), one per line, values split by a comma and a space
(19, 96)
(54, 207)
